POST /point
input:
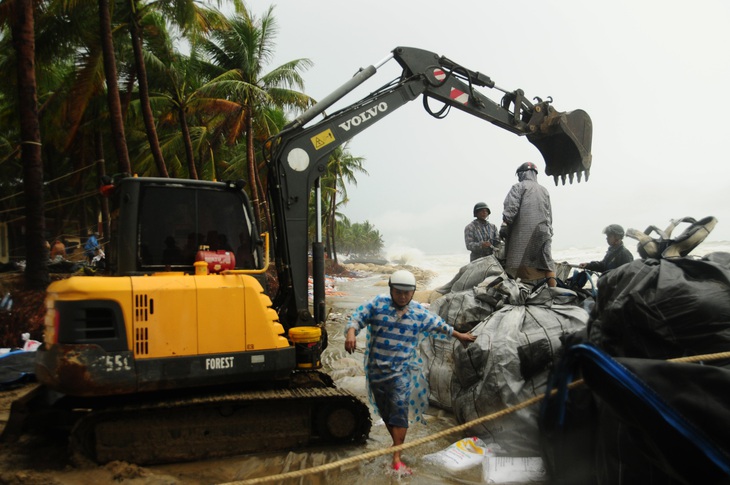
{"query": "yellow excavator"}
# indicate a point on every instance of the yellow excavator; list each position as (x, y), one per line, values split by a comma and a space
(181, 352)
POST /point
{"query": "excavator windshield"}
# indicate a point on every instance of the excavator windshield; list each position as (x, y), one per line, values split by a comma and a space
(177, 218)
(175, 222)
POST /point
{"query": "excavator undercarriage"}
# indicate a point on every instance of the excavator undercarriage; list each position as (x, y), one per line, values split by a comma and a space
(203, 427)
(189, 426)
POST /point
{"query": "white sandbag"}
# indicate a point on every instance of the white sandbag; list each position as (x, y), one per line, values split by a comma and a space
(510, 469)
(462, 455)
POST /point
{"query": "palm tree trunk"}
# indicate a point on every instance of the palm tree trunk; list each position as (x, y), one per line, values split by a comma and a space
(333, 225)
(101, 170)
(127, 100)
(264, 204)
(144, 97)
(192, 171)
(252, 172)
(115, 105)
(22, 27)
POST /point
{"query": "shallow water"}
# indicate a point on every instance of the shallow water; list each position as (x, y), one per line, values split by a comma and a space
(352, 292)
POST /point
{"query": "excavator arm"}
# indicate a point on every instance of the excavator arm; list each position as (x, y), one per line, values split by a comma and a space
(299, 153)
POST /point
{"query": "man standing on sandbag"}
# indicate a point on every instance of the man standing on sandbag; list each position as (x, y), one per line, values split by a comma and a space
(527, 226)
(480, 235)
(396, 384)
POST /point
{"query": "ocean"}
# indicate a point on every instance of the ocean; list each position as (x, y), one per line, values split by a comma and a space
(445, 266)
(348, 293)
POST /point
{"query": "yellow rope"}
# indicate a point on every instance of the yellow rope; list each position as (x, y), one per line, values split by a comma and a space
(426, 439)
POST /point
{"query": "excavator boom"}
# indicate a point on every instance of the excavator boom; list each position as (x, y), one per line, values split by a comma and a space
(299, 153)
(563, 139)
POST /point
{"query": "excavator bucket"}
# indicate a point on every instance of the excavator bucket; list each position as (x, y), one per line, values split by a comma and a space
(564, 141)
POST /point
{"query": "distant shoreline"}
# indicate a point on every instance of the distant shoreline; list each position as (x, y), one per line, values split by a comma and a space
(423, 293)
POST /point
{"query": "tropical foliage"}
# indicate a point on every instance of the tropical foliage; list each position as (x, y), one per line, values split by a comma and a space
(153, 88)
(361, 239)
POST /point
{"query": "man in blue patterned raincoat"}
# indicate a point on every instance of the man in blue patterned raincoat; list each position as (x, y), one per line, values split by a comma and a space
(396, 325)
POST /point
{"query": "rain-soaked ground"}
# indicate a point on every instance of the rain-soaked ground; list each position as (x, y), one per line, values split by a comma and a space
(44, 462)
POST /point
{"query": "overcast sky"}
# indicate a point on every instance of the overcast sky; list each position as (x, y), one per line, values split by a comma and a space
(652, 75)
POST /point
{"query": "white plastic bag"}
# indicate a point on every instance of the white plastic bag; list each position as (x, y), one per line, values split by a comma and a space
(462, 455)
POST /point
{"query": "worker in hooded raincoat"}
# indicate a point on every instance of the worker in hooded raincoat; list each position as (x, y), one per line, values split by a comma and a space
(527, 226)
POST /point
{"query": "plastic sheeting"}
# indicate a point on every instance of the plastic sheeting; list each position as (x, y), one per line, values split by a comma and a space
(516, 345)
(462, 310)
(472, 275)
(463, 306)
(664, 308)
(466, 303)
(647, 311)
(16, 367)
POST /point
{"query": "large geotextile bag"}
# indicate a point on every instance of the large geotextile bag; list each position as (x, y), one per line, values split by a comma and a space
(472, 274)
(462, 310)
(438, 366)
(648, 311)
(664, 308)
(509, 363)
(462, 306)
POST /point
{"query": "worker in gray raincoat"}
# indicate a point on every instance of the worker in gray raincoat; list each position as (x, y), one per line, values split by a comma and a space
(527, 227)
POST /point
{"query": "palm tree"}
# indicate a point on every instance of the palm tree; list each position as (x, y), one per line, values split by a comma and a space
(341, 169)
(238, 58)
(175, 81)
(367, 240)
(136, 17)
(19, 13)
(150, 21)
(110, 70)
(74, 107)
(179, 95)
(359, 238)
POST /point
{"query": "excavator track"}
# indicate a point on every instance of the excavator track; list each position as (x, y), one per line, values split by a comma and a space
(202, 427)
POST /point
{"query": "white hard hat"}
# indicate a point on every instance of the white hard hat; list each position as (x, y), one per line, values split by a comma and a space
(402, 280)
